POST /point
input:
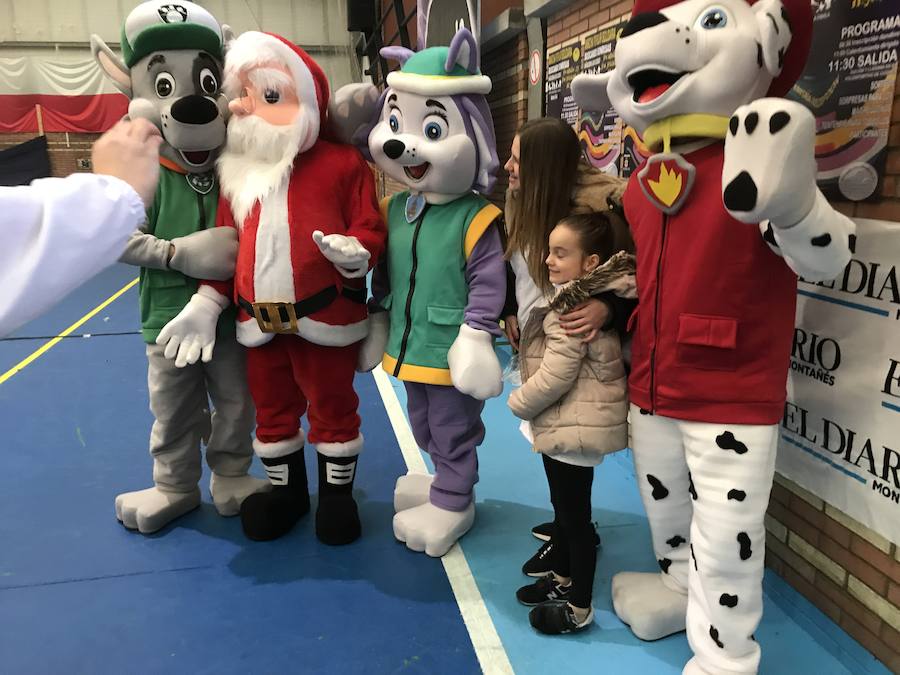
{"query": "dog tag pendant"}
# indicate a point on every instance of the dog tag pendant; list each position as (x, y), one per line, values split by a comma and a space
(415, 204)
(667, 179)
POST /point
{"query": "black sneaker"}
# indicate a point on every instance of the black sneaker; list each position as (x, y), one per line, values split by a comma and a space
(545, 530)
(541, 563)
(542, 590)
(555, 617)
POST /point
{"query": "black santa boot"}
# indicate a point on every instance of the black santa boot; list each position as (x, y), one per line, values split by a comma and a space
(270, 515)
(337, 518)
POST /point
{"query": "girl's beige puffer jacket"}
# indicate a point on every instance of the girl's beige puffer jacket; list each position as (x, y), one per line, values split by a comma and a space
(574, 393)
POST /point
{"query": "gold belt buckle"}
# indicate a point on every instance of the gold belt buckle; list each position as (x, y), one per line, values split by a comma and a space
(268, 316)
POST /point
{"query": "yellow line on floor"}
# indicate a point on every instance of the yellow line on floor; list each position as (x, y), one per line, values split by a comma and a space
(50, 344)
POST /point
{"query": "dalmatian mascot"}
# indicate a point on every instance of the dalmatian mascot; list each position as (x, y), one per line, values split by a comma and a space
(725, 215)
(438, 295)
(171, 69)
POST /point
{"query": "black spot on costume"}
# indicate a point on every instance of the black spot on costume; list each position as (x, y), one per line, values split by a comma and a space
(727, 441)
(676, 541)
(664, 565)
(714, 634)
(744, 541)
(737, 495)
(660, 491)
(727, 600)
(691, 487)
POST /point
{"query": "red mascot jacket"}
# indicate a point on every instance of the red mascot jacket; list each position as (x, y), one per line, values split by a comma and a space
(715, 317)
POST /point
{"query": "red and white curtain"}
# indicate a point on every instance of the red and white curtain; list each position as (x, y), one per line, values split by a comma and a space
(40, 94)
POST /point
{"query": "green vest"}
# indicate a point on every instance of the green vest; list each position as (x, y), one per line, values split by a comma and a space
(178, 210)
(429, 292)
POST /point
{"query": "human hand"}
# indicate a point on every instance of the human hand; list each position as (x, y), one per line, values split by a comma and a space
(130, 151)
(511, 326)
(586, 320)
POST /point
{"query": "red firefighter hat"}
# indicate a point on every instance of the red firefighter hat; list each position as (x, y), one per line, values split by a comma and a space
(799, 14)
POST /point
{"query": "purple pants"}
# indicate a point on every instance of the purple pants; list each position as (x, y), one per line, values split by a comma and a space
(447, 425)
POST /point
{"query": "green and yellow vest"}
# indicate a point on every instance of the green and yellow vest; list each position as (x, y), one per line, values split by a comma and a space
(427, 272)
(178, 210)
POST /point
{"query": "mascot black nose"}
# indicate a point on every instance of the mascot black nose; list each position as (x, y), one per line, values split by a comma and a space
(641, 21)
(194, 110)
(394, 148)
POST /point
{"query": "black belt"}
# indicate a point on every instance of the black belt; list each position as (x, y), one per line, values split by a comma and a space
(282, 317)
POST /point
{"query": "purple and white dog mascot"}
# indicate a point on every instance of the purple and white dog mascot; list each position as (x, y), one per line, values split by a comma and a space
(439, 292)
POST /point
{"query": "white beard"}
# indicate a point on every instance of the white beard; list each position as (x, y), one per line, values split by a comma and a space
(257, 159)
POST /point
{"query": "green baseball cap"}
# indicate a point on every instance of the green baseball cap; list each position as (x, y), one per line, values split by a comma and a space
(162, 26)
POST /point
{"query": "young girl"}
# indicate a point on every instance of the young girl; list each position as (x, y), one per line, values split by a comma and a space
(574, 395)
(548, 180)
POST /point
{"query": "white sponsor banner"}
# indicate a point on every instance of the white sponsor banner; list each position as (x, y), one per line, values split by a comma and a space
(840, 435)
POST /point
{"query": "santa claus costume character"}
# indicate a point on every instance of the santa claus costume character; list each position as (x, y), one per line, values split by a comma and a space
(724, 215)
(308, 225)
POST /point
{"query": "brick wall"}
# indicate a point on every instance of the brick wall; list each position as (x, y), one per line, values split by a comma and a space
(63, 151)
(507, 66)
(848, 571)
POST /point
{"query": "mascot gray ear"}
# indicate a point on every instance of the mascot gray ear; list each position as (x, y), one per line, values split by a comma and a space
(111, 65)
(775, 34)
(228, 36)
(589, 92)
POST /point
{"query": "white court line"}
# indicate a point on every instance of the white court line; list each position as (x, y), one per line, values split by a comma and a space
(488, 648)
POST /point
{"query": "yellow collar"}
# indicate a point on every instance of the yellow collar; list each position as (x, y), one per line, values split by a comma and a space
(662, 132)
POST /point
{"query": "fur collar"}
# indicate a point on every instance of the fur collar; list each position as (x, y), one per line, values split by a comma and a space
(616, 275)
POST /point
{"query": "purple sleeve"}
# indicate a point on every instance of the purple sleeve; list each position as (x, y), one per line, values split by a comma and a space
(486, 276)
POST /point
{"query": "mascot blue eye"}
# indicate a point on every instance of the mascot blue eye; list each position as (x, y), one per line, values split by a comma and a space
(433, 131)
(395, 123)
(714, 18)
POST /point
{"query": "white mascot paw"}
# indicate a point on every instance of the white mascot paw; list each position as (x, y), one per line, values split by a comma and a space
(152, 509)
(351, 109)
(432, 529)
(229, 492)
(412, 490)
(647, 605)
(694, 668)
(770, 166)
(191, 335)
(346, 253)
(474, 366)
(371, 352)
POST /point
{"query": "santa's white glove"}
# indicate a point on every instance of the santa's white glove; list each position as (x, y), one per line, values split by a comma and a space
(192, 334)
(371, 352)
(474, 366)
(346, 253)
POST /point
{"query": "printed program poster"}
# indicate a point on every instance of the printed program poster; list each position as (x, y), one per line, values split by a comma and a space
(849, 86)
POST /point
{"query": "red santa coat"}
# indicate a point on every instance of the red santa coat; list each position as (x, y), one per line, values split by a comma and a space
(715, 315)
(331, 189)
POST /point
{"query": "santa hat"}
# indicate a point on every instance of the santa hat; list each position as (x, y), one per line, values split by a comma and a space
(799, 14)
(254, 48)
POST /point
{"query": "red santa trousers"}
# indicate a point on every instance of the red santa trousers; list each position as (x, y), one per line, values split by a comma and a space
(290, 376)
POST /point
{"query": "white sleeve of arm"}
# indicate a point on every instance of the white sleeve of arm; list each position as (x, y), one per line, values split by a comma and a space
(57, 233)
(818, 247)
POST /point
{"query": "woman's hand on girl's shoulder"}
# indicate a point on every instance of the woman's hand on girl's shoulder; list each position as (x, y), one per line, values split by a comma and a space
(586, 320)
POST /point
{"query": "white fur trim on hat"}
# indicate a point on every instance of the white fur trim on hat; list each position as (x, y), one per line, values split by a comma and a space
(349, 448)
(439, 85)
(255, 49)
(281, 448)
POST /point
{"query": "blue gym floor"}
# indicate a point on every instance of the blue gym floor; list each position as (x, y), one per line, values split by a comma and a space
(80, 594)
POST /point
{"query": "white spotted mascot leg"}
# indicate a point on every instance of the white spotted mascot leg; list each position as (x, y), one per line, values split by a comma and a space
(732, 467)
(654, 604)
